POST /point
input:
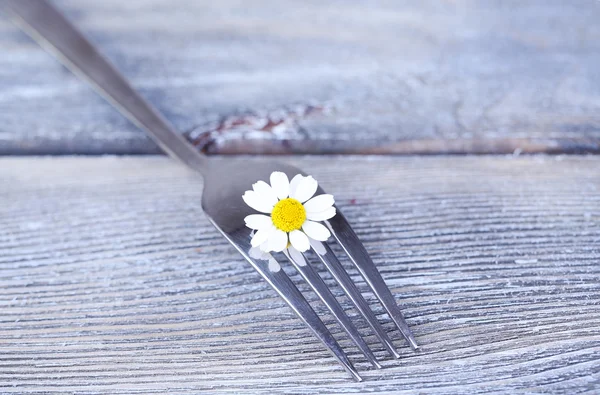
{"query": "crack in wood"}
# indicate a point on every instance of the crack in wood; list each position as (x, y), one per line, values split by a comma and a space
(278, 126)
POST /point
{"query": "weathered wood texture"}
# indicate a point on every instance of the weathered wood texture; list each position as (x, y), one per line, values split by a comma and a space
(112, 281)
(388, 77)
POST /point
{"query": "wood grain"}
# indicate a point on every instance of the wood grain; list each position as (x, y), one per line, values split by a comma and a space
(112, 281)
(431, 76)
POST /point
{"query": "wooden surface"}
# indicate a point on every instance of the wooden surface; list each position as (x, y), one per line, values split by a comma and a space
(336, 77)
(112, 281)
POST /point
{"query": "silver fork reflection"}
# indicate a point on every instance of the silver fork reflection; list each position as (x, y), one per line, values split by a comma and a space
(224, 185)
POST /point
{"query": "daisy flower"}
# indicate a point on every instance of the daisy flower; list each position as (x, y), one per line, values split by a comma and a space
(290, 213)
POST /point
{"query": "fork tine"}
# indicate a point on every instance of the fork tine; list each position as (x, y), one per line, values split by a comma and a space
(294, 298)
(282, 284)
(350, 243)
(324, 293)
(341, 276)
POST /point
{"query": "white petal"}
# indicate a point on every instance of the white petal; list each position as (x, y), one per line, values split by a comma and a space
(305, 189)
(257, 253)
(278, 240)
(258, 221)
(297, 256)
(253, 200)
(316, 231)
(319, 203)
(261, 236)
(273, 265)
(323, 215)
(265, 192)
(299, 240)
(280, 184)
(317, 246)
(264, 247)
(294, 183)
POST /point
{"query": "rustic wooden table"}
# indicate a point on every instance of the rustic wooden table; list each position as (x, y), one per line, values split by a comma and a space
(113, 281)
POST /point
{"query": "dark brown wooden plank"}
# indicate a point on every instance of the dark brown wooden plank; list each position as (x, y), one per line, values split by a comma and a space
(319, 77)
(112, 281)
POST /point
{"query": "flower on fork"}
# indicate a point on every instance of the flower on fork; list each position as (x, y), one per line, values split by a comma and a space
(290, 213)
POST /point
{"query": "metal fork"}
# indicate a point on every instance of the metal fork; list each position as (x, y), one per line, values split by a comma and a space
(224, 185)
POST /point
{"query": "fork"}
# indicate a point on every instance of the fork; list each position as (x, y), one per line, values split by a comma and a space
(224, 185)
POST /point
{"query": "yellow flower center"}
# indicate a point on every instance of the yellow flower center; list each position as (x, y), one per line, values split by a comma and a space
(288, 215)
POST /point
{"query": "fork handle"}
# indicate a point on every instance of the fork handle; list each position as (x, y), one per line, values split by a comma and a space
(55, 33)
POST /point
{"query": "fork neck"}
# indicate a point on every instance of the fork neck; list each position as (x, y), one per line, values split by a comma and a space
(195, 161)
(177, 146)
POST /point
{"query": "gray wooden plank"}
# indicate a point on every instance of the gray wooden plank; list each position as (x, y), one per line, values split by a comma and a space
(328, 77)
(112, 281)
